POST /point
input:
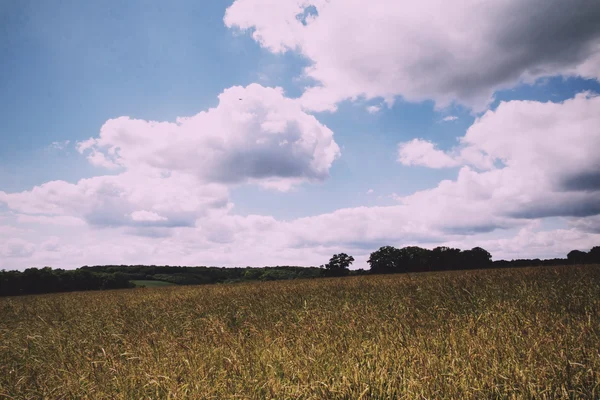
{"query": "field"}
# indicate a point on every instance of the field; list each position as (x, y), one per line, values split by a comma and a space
(514, 333)
(142, 283)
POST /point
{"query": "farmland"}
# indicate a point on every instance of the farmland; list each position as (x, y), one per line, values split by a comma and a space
(509, 333)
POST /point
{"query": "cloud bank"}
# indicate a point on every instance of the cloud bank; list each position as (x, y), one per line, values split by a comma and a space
(509, 180)
(433, 49)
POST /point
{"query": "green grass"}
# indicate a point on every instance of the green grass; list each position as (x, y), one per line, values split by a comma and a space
(149, 284)
(497, 334)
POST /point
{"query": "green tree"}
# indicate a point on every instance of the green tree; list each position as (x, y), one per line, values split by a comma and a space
(593, 255)
(445, 258)
(338, 264)
(386, 259)
(475, 258)
(577, 257)
(413, 259)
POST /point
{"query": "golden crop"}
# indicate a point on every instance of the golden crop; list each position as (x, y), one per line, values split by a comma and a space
(510, 334)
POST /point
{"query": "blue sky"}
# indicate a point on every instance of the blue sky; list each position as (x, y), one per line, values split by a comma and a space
(69, 67)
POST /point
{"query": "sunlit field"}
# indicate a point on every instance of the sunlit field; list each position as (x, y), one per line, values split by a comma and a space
(514, 333)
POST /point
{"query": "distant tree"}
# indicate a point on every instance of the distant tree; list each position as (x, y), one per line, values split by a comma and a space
(338, 264)
(252, 273)
(47, 280)
(593, 255)
(475, 258)
(412, 259)
(443, 258)
(386, 259)
(577, 257)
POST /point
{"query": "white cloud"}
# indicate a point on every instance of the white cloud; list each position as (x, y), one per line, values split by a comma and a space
(450, 118)
(396, 197)
(16, 248)
(52, 244)
(146, 216)
(60, 145)
(173, 175)
(373, 109)
(423, 153)
(588, 224)
(85, 145)
(509, 181)
(109, 200)
(7, 230)
(98, 159)
(548, 156)
(255, 134)
(554, 140)
(64, 220)
(370, 191)
(532, 241)
(528, 137)
(518, 179)
(433, 49)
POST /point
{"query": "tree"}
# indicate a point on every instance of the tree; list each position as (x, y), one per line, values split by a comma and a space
(413, 259)
(593, 255)
(445, 258)
(577, 257)
(386, 259)
(475, 258)
(338, 264)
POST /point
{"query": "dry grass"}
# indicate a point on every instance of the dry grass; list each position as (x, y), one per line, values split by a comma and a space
(523, 333)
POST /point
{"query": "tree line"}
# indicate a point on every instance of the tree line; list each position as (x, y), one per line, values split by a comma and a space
(48, 280)
(387, 259)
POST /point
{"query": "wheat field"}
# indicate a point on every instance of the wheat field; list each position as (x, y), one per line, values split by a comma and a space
(496, 334)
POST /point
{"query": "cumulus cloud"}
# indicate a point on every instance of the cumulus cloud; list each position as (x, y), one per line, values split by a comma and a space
(174, 173)
(519, 163)
(536, 159)
(106, 201)
(255, 134)
(373, 109)
(424, 153)
(557, 140)
(433, 49)
(147, 216)
(363, 227)
(98, 159)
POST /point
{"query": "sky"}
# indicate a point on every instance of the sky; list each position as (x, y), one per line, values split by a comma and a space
(281, 132)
